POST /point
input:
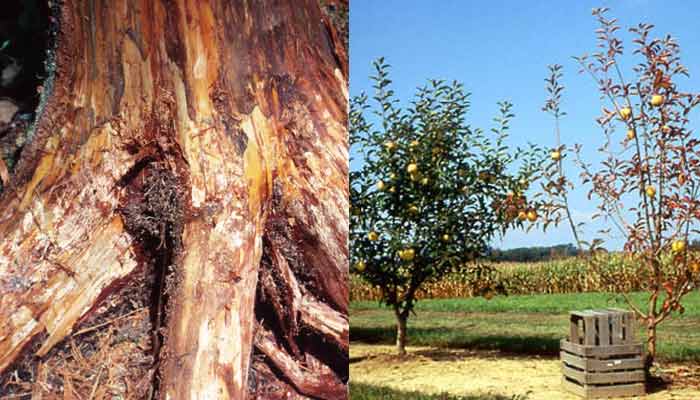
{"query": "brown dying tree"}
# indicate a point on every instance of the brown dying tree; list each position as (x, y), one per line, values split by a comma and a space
(205, 140)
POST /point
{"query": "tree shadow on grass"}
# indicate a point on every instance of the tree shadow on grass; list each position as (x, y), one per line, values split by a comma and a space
(534, 345)
(361, 391)
(375, 335)
(357, 359)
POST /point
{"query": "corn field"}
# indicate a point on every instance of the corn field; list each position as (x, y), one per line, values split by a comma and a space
(571, 275)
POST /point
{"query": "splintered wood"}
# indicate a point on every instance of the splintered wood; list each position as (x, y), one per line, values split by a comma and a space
(245, 106)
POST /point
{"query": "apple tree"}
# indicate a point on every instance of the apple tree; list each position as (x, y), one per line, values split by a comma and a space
(430, 192)
(647, 186)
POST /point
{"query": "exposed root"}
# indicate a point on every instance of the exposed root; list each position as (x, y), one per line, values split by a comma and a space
(313, 379)
(304, 341)
(327, 322)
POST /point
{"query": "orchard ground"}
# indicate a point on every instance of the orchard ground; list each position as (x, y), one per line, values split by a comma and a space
(508, 346)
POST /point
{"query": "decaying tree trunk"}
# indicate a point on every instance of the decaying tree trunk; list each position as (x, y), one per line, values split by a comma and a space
(207, 138)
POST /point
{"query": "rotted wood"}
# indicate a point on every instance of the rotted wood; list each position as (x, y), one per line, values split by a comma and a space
(324, 385)
(243, 107)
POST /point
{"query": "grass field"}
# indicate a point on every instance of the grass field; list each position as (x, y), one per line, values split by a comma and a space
(528, 325)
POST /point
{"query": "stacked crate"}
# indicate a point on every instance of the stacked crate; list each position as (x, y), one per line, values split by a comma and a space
(601, 357)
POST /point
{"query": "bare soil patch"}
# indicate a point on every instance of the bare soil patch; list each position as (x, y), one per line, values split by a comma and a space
(461, 372)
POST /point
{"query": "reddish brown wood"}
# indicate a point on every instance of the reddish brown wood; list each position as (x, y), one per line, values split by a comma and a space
(243, 105)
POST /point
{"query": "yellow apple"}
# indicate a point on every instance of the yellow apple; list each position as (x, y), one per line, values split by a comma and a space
(532, 216)
(413, 209)
(625, 113)
(631, 135)
(390, 145)
(678, 246)
(407, 254)
(681, 179)
(651, 191)
(522, 215)
(424, 181)
(360, 265)
(446, 238)
(380, 185)
(694, 267)
(392, 190)
(414, 143)
(555, 155)
(412, 168)
(657, 100)
(372, 236)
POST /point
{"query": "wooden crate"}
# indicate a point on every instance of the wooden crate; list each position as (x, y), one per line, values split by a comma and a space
(601, 357)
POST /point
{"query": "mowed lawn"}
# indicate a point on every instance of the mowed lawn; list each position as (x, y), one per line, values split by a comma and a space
(527, 325)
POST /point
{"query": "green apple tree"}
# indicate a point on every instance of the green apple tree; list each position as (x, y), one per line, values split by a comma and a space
(430, 192)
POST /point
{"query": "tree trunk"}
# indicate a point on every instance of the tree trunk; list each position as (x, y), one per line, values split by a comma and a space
(401, 319)
(651, 348)
(207, 137)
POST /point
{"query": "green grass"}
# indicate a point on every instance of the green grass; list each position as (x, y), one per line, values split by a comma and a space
(360, 391)
(531, 325)
(538, 303)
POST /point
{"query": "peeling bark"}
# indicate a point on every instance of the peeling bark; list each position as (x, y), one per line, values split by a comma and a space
(244, 105)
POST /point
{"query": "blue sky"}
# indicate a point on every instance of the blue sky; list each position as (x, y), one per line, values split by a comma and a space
(500, 51)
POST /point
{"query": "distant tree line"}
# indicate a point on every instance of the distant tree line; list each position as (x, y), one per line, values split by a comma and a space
(531, 254)
(547, 253)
